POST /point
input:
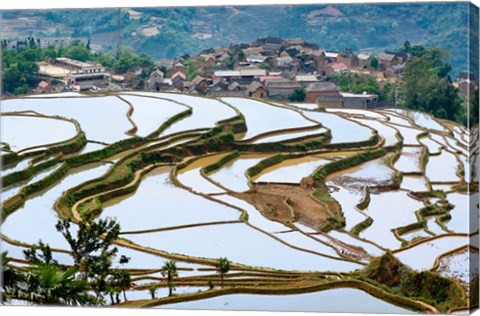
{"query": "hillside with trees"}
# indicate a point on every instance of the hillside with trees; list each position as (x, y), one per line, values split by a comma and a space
(171, 32)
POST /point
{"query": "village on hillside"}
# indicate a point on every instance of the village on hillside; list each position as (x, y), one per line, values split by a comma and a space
(274, 68)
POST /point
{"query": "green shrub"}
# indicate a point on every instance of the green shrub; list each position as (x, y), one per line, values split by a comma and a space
(434, 210)
(357, 229)
(253, 171)
(169, 123)
(28, 172)
(366, 200)
(222, 161)
(411, 227)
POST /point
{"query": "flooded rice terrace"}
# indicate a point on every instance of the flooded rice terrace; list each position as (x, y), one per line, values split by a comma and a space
(301, 201)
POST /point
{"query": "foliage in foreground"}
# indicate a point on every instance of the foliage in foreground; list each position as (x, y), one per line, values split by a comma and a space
(426, 286)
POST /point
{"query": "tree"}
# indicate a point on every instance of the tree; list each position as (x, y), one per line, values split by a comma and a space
(10, 278)
(45, 255)
(123, 281)
(426, 86)
(152, 288)
(473, 117)
(223, 267)
(407, 46)
(374, 63)
(92, 249)
(298, 95)
(169, 270)
(78, 52)
(48, 284)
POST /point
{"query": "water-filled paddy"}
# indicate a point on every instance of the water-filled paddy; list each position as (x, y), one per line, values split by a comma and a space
(459, 265)
(21, 132)
(37, 218)
(261, 117)
(329, 301)
(389, 210)
(149, 113)
(206, 111)
(416, 235)
(423, 120)
(305, 106)
(348, 239)
(409, 134)
(348, 199)
(288, 136)
(343, 130)
(366, 113)
(414, 183)
(191, 176)
(433, 146)
(158, 203)
(93, 114)
(460, 213)
(232, 174)
(14, 167)
(291, 170)
(422, 256)
(442, 168)
(387, 132)
(300, 240)
(409, 160)
(241, 244)
(10, 191)
(210, 216)
(395, 118)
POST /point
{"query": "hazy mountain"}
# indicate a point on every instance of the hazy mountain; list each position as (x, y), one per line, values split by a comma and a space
(170, 32)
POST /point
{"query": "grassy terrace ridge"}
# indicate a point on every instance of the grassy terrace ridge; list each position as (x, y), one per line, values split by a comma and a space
(289, 289)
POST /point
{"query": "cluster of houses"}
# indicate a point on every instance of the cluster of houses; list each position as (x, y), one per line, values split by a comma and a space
(74, 74)
(274, 68)
(267, 68)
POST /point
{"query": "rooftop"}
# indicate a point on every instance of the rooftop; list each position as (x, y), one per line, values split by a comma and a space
(358, 95)
(322, 87)
(75, 63)
(301, 78)
(331, 54)
(364, 56)
(386, 57)
(338, 66)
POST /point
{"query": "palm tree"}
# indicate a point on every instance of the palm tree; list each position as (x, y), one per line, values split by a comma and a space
(49, 284)
(152, 288)
(169, 270)
(10, 277)
(223, 267)
(124, 281)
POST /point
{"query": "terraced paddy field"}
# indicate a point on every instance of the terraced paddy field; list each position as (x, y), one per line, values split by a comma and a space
(311, 207)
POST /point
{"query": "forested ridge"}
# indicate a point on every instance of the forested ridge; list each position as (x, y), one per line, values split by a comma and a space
(178, 31)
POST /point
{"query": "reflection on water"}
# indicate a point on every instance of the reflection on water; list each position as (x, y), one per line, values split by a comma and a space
(232, 175)
(442, 168)
(343, 130)
(157, 204)
(329, 301)
(102, 119)
(255, 113)
(21, 132)
(239, 243)
(149, 113)
(291, 170)
(37, 218)
(422, 257)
